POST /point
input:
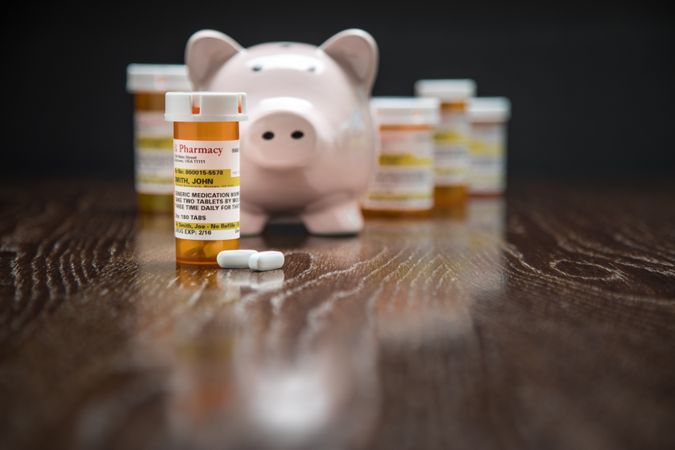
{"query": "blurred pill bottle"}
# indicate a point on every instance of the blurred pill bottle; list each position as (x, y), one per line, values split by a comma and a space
(489, 118)
(403, 185)
(451, 139)
(152, 134)
(206, 172)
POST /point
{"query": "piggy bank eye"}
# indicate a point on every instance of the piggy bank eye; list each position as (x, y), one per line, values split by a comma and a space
(311, 69)
(257, 68)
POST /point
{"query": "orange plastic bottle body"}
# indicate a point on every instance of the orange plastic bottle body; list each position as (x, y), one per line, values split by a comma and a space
(450, 196)
(153, 143)
(204, 252)
(451, 157)
(395, 214)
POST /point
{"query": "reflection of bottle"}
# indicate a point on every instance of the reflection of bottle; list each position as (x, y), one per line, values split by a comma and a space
(208, 282)
(488, 116)
(152, 134)
(486, 225)
(203, 394)
(430, 298)
(206, 172)
(403, 184)
(451, 153)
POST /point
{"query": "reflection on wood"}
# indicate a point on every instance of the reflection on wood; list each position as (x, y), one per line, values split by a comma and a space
(550, 323)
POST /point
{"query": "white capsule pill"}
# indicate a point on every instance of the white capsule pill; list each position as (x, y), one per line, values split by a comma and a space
(234, 259)
(266, 261)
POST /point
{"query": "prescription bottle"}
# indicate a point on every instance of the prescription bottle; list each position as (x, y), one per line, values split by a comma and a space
(487, 149)
(152, 134)
(206, 172)
(451, 139)
(403, 185)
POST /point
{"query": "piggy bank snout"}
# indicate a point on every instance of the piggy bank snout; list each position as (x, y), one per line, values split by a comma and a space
(280, 140)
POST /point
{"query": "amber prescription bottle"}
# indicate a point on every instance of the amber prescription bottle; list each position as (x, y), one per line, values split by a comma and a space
(451, 151)
(488, 117)
(206, 172)
(152, 134)
(403, 185)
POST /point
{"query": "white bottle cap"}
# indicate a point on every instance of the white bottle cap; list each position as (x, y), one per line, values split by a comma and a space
(446, 90)
(205, 106)
(406, 110)
(157, 78)
(489, 109)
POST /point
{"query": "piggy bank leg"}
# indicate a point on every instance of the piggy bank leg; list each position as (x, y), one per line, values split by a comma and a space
(334, 218)
(252, 222)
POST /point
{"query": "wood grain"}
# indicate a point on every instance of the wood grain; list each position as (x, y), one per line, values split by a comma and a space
(545, 320)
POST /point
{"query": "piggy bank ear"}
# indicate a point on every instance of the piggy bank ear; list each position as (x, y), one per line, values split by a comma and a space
(206, 52)
(356, 51)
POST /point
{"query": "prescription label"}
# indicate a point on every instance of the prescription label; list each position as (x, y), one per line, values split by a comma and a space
(404, 175)
(487, 174)
(206, 199)
(451, 149)
(451, 158)
(152, 146)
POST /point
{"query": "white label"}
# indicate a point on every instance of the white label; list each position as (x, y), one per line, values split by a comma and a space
(404, 176)
(153, 144)
(488, 165)
(451, 150)
(206, 196)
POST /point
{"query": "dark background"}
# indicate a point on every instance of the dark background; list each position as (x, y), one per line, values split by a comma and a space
(591, 83)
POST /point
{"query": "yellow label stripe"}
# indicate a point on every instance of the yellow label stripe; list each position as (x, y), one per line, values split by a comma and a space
(404, 159)
(399, 197)
(159, 143)
(450, 170)
(451, 137)
(205, 178)
(154, 179)
(207, 226)
(481, 148)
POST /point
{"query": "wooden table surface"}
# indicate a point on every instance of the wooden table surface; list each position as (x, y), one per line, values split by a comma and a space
(545, 320)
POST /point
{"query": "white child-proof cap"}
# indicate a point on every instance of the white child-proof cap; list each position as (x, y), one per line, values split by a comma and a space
(157, 78)
(406, 110)
(446, 90)
(489, 109)
(205, 106)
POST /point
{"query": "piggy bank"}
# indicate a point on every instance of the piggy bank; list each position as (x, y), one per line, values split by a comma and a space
(310, 145)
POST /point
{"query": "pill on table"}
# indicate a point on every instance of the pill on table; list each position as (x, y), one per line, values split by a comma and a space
(234, 259)
(270, 260)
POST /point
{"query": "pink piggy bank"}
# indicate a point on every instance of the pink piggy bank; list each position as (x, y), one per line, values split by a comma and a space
(309, 147)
